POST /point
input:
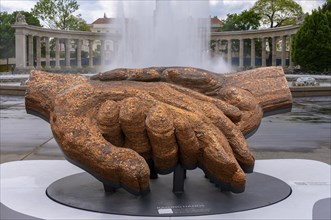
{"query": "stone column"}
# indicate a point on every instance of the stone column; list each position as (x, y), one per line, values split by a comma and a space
(47, 51)
(283, 51)
(90, 53)
(229, 51)
(274, 55)
(290, 53)
(264, 55)
(102, 51)
(38, 45)
(20, 49)
(30, 51)
(253, 52)
(79, 53)
(217, 48)
(241, 54)
(57, 53)
(67, 52)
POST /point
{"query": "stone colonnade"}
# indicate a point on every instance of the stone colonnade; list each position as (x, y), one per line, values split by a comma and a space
(284, 34)
(25, 35)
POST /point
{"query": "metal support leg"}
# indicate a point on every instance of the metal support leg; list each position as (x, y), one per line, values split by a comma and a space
(178, 181)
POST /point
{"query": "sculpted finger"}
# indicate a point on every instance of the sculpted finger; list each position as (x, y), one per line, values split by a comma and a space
(132, 120)
(193, 78)
(108, 122)
(234, 136)
(84, 146)
(229, 110)
(144, 75)
(133, 174)
(252, 112)
(217, 161)
(197, 79)
(160, 129)
(187, 142)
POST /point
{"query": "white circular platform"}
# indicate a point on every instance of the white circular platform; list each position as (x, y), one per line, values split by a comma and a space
(23, 186)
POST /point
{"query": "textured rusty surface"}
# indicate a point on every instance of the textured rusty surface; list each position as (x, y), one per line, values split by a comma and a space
(114, 123)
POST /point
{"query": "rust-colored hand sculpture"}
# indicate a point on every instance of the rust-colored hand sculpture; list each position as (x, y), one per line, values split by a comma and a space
(114, 126)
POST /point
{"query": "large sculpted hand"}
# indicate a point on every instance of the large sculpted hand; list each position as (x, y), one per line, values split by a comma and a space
(254, 92)
(111, 128)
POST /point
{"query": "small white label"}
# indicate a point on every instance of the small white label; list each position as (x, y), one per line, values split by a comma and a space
(165, 211)
(301, 183)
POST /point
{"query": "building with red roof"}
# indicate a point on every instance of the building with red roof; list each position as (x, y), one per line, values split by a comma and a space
(215, 24)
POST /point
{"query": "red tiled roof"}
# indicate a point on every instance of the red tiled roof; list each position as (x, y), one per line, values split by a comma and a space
(102, 21)
(215, 20)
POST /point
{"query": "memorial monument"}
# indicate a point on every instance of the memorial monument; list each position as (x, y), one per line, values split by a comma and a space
(123, 125)
(127, 126)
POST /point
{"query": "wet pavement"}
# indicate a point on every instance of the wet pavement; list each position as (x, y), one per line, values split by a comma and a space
(304, 133)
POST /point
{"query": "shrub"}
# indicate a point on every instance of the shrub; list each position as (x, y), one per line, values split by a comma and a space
(312, 42)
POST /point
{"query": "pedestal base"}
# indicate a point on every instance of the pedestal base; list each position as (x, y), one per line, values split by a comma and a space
(199, 198)
(23, 185)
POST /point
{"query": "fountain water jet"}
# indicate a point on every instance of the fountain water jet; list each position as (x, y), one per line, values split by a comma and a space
(164, 33)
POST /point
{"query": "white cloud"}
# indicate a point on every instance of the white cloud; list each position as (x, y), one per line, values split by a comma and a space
(309, 5)
(94, 9)
(223, 7)
(14, 5)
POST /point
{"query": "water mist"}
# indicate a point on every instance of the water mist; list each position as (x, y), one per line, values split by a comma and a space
(164, 33)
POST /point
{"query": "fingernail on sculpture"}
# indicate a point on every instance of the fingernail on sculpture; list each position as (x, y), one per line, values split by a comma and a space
(126, 125)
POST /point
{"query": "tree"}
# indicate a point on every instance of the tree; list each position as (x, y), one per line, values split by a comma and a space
(276, 13)
(7, 39)
(77, 23)
(327, 6)
(247, 20)
(312, 42)
(58, 14)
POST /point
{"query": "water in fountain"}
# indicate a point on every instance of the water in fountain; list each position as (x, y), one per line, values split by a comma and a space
(164, 33)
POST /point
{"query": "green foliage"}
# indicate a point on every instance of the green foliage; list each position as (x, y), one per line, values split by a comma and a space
(276, 13)
(77, 23)
(312, 42)
(247, 20)
(58, 14)
(327, 6)
(7, 39)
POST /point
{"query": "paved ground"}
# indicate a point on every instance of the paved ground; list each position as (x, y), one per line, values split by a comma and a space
(304, 133)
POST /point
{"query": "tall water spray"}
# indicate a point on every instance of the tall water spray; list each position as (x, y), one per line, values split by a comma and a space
(164, 33)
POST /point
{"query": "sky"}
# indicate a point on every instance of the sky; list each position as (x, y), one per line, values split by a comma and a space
(91, 10)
